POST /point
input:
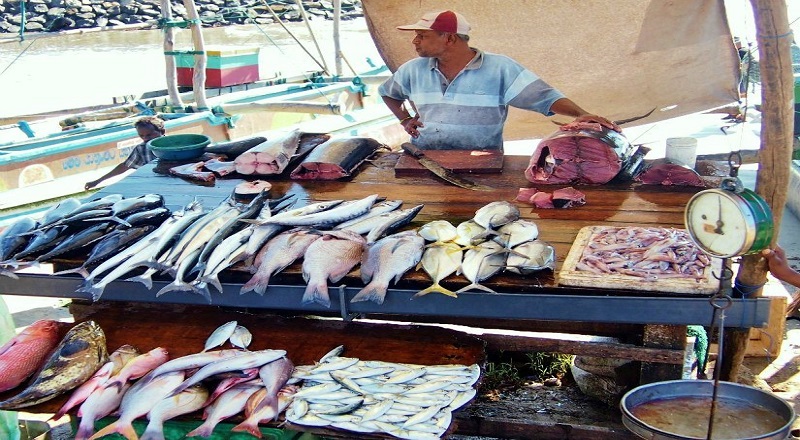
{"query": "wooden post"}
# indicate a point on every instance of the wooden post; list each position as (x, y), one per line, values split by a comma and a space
(169, 47)
(337, 46)
(199, 77)
(775, 151)
(311, 33)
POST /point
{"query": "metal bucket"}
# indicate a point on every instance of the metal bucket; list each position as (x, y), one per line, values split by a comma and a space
(644, 415)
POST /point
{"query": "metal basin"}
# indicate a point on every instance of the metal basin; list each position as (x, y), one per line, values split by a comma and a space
(680, 409)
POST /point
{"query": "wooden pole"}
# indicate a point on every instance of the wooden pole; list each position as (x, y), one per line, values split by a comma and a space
(169, 60)
(200, 59)
(775, 153)
(337, 44)
(311, 33)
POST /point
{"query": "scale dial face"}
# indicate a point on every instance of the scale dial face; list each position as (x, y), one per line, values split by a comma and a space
(719, 223)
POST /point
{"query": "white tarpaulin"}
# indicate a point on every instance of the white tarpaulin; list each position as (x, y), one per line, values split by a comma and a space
(619, 58)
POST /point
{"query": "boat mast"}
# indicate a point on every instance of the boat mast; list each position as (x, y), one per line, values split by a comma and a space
(169, 47)
(199, 77)
(337, 46)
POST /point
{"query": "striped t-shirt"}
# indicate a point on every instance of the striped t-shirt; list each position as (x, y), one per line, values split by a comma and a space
(469, 113)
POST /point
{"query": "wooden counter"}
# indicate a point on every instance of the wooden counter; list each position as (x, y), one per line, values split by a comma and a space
(524, 302)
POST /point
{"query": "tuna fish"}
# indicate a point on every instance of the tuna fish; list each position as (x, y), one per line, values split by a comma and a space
(21, 356)
(269, 157)
(14, 238)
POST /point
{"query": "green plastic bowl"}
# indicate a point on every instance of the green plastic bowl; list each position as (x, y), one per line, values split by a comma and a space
(179, 146)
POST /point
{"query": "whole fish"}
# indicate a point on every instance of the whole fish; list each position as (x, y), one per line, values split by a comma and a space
(231, 251)
(99, 203)
(517, 232)
(303, 211)
(220, 335)
(330, 257)
(41, 243)
(280, 252)
(274, 376)
(139, 366)
(392, 221)
(154, 216)
(77, 241)
(363, 224)
(241, 337)
(109, 245)
(191, 361)
(229, 404)
(438, 231)
(440, 260)
(480, 263)
(269, 157)
(116, 361)
(23, 354)
(531, 257)
(338, 214)
(181, 283)
(256, 413)
(80, 353)
(185, 402)
(131, 205)
(57, 212)
(138, 401)
(388, 259)
(102, 402)
(247, 375)
(80, 219)
(246, 359)
(494, 215)
(14, 238)
(469, 232)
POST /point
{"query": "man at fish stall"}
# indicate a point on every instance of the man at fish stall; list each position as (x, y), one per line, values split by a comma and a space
(148, 128)
(460, 95)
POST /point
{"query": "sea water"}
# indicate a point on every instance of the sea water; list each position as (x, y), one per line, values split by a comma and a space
(79, 70)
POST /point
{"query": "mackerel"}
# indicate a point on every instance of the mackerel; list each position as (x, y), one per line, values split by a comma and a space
(392, 221)
(248, 359)
(365, 223)
(13, 238)
(332, 216)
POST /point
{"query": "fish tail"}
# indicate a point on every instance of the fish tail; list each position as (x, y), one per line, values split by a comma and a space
(435, 288)
(475, 286)
(8, 273)
(201, 288)
(85, 429)
(123, 428)
(316, 293)
(79, 270)
(175, 285)
(257, 284)
(203, 430)
(247, 427)
(153, 432)
(89, 288)
(374, 292)
(144, 279)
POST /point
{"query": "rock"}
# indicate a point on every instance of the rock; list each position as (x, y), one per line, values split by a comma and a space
(40, 8)
(602, 388)
(598, 365)
(39, 19)
(85, 9)
(72, 3)
(552, 382)
(84, 23)
(33, 26)
(55, 12)
(85, 16)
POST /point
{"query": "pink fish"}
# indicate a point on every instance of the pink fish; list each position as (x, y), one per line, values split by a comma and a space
(265, 405)
(21, 356)
(102, 402)
(226, 384)
(229, 404)
(329, 258)
(140, 366)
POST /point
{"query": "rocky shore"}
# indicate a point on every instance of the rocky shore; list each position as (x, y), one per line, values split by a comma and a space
(64, 15)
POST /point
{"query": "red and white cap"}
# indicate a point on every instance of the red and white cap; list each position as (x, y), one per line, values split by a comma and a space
(442, 21)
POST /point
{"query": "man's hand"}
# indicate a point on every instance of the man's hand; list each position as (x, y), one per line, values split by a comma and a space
(410, 126)
(90, 185)
(599, 120)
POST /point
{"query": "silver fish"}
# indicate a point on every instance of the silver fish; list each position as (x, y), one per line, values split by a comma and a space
(329, 258)
(362, 224)
(220, 335)
(386, 260)
(303, 211)
(241, 337)
(391, 221)
(480, 263)
(469, 232)
(517, 232)
(438, 231)
(249, 359)
(531, 257)
(333, 216)
(192, 361)
(229, 404)
(439, 261)
(496, 214)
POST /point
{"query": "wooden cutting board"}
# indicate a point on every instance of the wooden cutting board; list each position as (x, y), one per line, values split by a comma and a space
(570, 276)
(459, 161)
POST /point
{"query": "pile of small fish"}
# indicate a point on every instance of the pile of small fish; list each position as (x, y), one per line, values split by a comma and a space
(68, 364)
(403, 400)
(649, 254)
(135, 385)
(72, 227)
(495, 239)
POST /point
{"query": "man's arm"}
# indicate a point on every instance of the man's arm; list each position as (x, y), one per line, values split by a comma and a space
(567, 107)
(116, 171)
(398, 109)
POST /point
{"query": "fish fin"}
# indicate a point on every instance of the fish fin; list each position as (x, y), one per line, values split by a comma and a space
(79, 270)
(316, 294)
(247, 427)
(371, 292)
(475, 286)
(8, 273)
(146, 280)
(175, 285)
(256, 284)
(201, 289)
(112, 218)
(125, 429)
(435, 288)
(204, 430)
(91, 289)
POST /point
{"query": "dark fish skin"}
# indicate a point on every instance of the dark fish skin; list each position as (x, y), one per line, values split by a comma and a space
(12, 239)
(109, 245)
(150, 217)
(99, 203)
(335, 159)
(78, 240)
(235, 148)
(43, 242)
(131, 205)
(80, 354)
(58, 212)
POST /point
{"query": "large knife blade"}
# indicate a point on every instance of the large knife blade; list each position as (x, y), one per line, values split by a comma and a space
(439, 170)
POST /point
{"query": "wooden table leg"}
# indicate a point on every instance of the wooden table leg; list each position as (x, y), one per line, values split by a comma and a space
(662, 336)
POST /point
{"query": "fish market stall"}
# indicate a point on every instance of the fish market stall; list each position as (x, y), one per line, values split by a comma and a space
(647, 315)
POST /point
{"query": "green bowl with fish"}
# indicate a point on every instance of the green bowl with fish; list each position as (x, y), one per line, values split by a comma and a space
(179, 146)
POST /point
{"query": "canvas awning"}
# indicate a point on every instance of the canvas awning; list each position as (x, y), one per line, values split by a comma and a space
(618, 59)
